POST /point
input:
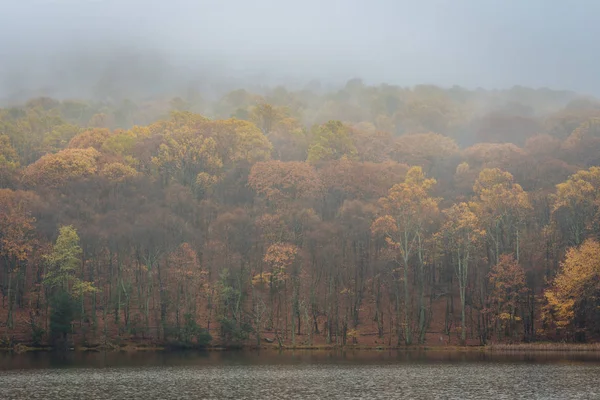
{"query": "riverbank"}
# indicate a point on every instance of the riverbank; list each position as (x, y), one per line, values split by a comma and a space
(520, 347)
(549, 346)
(132, 347)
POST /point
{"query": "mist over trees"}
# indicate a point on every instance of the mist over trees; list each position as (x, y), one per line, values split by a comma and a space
(374, 215)
(194, 172)
(116, 49)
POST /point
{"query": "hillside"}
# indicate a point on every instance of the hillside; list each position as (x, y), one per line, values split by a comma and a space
(369, 215)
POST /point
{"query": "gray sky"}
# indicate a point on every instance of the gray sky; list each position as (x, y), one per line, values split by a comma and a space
(486, 43)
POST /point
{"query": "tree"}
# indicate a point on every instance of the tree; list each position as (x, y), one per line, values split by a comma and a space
(239, 141)
(282, 261)
(347, 179)
(462, 237)
(507, 295)
(183, 155)
(17, 243)
(502, 207)
(117, 172)
(55, 170)
(505, 127)
(100, 120)
(122, 142)
(9, 162)
(428, 109)
(62, 281)
(504, 156)
(425, 149)
(186, 280)
(583, 145)
(63, 263)
(90, 138)
(8, 155)
(180, 216)
(573, 298)
(285, 183)
(290, 140)
(266, 116)
(406, 212)
(577, 205)
(331, 141)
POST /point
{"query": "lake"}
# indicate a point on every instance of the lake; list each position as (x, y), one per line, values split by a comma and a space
(299, 375)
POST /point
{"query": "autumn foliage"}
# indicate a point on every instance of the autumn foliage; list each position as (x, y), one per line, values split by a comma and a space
(373, 215)
(572, 300)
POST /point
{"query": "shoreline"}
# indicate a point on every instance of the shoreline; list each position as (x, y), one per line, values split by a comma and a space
(499, 348)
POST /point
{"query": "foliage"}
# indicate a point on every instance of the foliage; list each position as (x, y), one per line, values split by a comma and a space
(462, 237)
(191, 334)
(502, 207)
(572, 300)
(63, 262)
(301, 216)
(90, 138)
(8, 155)
(331, 141)
(57, 169)
(508, 292)
(63, 312)
(117, 172)
(577, 206)
(285, 182)
(16, 224)
(407, 213)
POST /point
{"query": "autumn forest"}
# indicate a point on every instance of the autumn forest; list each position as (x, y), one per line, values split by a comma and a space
(366, 215)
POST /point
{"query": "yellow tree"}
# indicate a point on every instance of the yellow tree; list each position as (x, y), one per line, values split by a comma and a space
(8, 155)
(90, 138)
(281, 258)
(577, 205)
(184, 154)
(573, 300)
(54, 170)
(9, 161)
(331, 141)
(34, 132)
(502, 207)
(117, 172)
(239, 141)
(122, 142)
(462, 236)
(406, 213)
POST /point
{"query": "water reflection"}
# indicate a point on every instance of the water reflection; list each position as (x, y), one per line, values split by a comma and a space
(300, 375)
(42, 360)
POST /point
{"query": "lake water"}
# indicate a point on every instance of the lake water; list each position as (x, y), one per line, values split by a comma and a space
(299, 375)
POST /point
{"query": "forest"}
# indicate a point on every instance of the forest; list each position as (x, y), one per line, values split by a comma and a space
(358, 216)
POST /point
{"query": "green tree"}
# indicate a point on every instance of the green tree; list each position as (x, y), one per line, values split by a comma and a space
(331, 141)
(64, 287)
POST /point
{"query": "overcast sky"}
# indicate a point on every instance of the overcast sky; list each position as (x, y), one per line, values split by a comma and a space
(472, 43)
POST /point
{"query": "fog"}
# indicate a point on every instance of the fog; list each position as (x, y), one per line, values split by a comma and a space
(68, 48)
